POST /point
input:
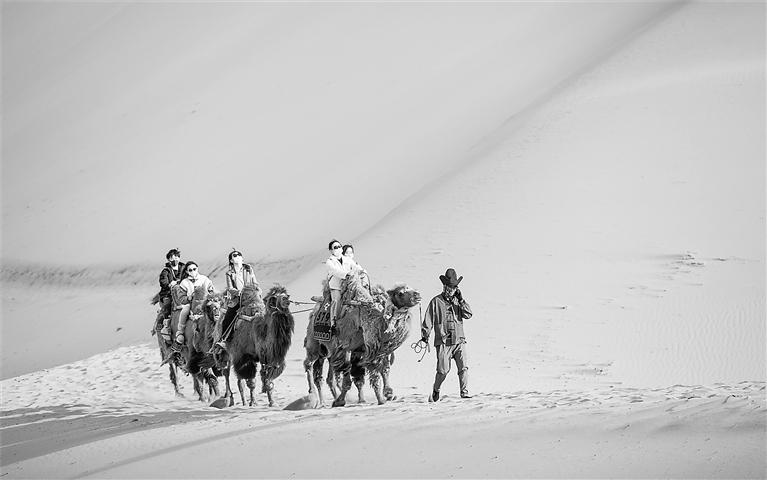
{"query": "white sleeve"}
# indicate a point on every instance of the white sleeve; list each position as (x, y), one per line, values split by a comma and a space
(334, 269)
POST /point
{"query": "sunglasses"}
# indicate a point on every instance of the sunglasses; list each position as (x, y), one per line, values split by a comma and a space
(236, 254)
(191, 269)
(336, 247)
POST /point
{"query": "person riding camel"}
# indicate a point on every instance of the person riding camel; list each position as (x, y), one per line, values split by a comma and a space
(170, 276)
(338, 268)
(192, 278)
(238, 275)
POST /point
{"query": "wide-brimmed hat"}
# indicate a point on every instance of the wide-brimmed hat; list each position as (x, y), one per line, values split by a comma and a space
(450, 278)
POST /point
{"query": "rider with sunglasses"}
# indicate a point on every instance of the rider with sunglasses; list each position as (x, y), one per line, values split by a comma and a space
(191, 278)
(238, 275)
(337, 271)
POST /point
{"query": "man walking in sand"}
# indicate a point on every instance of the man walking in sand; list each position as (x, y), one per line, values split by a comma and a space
(446, 313)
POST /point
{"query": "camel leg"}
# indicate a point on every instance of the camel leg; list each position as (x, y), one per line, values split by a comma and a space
(341, 367)
(198, 388)
(317, 370)
(252, 387)
(375, 382)
(340, 401)
(241, 388)
(174, 379)
(229, 394)
(333, 380)
(309, 362)
(212, 381)
(314, 377)
(267, 385)
(385, 369)
(358, 374)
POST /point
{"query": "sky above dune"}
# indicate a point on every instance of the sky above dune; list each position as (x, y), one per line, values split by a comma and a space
(129, 129)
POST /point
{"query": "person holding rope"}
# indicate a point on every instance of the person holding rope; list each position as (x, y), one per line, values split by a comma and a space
(445, 314)
(238, 275)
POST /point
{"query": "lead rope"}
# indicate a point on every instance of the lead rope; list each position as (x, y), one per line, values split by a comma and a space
(416, 346)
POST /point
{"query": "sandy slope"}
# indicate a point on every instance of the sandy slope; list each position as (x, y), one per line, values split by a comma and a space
(612, 243)
(287, 107)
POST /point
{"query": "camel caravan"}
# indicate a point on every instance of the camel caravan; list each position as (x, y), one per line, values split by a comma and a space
(205, 333)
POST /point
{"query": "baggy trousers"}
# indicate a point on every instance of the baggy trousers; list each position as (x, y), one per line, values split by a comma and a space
(446, 353)
(231, 312)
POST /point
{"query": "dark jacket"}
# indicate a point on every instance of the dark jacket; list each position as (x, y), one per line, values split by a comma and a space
(168, 275)
(447, 320)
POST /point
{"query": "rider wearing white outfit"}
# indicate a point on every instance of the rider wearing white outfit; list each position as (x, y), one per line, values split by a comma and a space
(336, 273)
(192, 280)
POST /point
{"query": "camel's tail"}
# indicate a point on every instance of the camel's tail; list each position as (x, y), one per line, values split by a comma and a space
(246, 366)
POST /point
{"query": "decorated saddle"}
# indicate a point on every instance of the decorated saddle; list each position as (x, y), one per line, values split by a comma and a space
(251, 304)
(322, 327)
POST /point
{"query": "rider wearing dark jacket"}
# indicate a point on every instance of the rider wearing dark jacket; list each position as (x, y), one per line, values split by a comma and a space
(170, 275)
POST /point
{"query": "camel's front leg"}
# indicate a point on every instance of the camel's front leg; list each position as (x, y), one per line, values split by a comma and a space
(229, 394)
(252, 387)
(212, 381)
(198, 386)
(241, 388)
(341, 367)
(375, 382)
(385, 369)
(174, 379)
(358, 374)
(346, 384)
(267, 386)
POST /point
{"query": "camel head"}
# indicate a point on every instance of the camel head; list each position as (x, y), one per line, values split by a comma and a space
(403, 296)
(198, 299)
(213, 306)
(278, 299)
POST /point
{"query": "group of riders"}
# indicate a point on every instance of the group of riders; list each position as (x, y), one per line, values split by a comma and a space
(444, 315)
(239, 275)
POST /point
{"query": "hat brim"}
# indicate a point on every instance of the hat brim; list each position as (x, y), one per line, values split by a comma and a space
(448, 282)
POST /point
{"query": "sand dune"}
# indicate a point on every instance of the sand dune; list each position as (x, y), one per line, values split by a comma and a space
(269, 101)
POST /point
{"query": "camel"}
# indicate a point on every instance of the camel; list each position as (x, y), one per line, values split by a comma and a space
(251, 304)
(373, 323)
(262, 338)
(201, 362)
(317, 352)
(195, 362)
